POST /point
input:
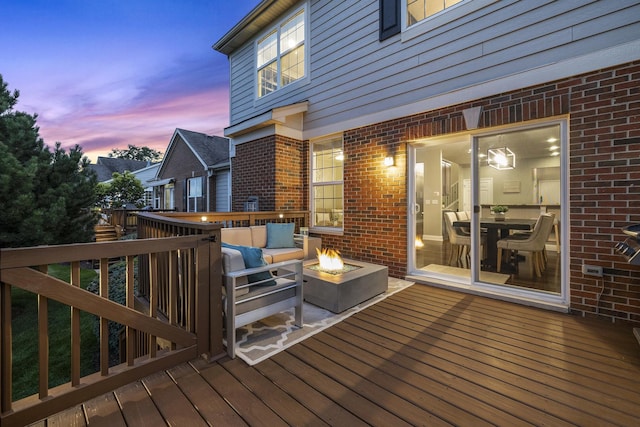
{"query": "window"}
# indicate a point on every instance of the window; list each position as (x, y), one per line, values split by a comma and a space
(281, 55)
(195, 201)
(168, 196)
(417, 10)
(327, 183)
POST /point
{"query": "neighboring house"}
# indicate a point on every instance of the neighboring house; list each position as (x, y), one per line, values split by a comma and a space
(379, 115)
(106, 166)
(194, 175)
(146, 176)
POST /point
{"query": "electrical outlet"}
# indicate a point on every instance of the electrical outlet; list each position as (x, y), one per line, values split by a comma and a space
(592, 270)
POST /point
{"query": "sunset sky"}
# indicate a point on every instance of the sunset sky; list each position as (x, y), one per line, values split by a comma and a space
(104, 74)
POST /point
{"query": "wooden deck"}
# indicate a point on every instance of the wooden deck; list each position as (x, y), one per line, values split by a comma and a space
(424, 356)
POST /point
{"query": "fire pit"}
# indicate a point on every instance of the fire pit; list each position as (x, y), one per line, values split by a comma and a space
(339, 287)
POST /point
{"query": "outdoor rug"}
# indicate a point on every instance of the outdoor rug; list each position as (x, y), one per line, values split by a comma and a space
(271, 335)
(485, 276)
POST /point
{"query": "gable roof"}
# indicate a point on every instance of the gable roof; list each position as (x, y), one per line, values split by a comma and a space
(106, 166)
(211, 151)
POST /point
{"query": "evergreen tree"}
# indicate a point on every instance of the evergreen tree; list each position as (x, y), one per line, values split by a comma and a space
(46, 197)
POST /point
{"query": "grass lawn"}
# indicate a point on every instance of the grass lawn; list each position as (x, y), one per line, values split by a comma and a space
(25, 337)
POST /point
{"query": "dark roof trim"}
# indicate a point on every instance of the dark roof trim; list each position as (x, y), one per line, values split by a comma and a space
(260, 17)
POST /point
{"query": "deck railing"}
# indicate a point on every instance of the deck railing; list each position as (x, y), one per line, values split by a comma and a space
(186, 268)
(179, 285)
(182, 221)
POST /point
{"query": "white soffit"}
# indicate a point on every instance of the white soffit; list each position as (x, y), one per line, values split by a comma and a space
(287, 121)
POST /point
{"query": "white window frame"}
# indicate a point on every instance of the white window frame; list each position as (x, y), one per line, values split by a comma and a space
(194, 195)
(334, 223)
(169, 195)
(438, 19)
(279, 54)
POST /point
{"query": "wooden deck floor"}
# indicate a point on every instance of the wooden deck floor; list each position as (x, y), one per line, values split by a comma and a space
(424, 356)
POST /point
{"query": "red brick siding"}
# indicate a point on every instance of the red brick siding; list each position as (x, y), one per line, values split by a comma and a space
(270, 168)
(604, 109)
(604, 188)
(290, 163)
(604, 121)
(252, 172)
(182, 164)
(375, 198)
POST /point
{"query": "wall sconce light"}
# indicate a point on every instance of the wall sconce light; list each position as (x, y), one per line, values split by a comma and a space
(472, 117)
(203, 218)
(280, 216)
(388, 161)
(501, 158)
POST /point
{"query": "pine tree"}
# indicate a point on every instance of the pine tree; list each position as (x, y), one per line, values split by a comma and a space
(46, 197)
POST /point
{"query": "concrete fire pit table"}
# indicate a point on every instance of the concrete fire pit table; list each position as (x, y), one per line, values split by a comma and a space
(338, 292)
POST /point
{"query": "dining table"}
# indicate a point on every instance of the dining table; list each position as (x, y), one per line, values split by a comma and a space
(497, 229)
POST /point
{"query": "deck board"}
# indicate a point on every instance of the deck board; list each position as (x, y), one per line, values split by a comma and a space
(213, 408)
(422, 356)
(137, 407)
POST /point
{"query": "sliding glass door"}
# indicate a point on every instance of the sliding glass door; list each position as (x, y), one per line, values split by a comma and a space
(473, 194)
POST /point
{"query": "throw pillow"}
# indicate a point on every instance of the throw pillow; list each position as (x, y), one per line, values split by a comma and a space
(253, 258)
(280, 235)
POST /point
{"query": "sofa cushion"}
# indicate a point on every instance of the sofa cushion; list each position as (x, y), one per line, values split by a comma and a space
(282, 254)
(232, 261)
(259, 236)
(253, 258)
(237, 236)
(280, 235)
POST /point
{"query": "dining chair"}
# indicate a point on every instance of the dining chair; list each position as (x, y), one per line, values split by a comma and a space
(463, 216)
(459, 242)
(534, 243)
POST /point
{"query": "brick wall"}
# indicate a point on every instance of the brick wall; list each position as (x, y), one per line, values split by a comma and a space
(270, 168)
(181, 164)
(604, 109)
(604, 188)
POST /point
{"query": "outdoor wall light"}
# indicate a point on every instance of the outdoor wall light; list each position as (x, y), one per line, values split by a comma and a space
(472, 117)
(203, 218)
(281, 216)
(388, 161)
(501, 158)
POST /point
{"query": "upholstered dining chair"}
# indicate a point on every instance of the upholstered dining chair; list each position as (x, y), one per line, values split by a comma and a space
(458, 241)
(534, 243)
(464, 216)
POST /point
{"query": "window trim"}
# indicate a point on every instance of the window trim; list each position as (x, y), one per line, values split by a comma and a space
(195, 198)
(319, 228)
(439, 19)
(304, 8)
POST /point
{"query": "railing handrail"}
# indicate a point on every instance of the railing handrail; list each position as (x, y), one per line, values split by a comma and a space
(170, 257)
(24, 257)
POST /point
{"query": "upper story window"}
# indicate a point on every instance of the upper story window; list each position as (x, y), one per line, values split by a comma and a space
(417, 10)
(281, 55)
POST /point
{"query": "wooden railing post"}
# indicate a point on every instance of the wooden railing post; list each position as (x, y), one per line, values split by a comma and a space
(5, 348)
(209, 294)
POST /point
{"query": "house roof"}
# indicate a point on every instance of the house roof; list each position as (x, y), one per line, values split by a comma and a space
(106, 166)
(264, 14)
(211, 151)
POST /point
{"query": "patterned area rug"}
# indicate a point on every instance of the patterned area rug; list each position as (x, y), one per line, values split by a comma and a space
(269, 336)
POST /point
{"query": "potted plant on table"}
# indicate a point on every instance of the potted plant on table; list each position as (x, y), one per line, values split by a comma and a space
(499, 211)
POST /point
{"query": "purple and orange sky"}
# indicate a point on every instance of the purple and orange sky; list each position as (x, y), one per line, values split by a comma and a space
(105, 74)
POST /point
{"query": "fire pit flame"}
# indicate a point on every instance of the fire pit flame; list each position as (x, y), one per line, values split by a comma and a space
(330, 260)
